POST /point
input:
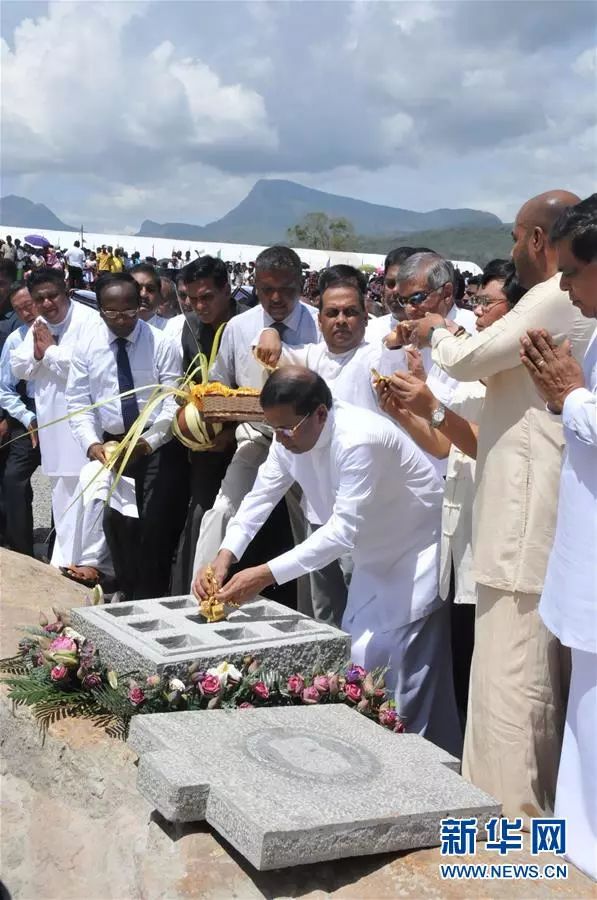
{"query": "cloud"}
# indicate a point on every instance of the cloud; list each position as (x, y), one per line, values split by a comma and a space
(121, 111)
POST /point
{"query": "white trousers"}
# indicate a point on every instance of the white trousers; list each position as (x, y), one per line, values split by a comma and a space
(576, 791)
(419, 661)
(65, 490)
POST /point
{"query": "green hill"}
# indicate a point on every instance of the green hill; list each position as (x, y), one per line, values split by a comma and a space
(478, 245)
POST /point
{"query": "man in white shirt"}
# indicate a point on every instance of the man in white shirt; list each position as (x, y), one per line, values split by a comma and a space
(44, 357)
(568, 604)
(19, 458)
(278, 282)
(425, 284)
(379, 500)
(150, 287)
(344, 359)
(123, 354)
(75, 259)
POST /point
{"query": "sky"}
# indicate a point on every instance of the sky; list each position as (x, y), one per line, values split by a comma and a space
(113, 112)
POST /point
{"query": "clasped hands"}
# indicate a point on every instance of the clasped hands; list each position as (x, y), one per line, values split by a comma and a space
(42, 338)
(554, 370)
(243, 586)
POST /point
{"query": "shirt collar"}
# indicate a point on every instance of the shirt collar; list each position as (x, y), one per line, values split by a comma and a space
(60, 327)
(132, 337)
(325, 438)
(292, 321)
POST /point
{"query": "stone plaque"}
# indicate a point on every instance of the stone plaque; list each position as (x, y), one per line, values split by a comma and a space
(293, 785)
(166, 635)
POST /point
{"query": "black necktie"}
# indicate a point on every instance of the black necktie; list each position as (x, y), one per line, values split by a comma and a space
(281, 328)
(128, 405)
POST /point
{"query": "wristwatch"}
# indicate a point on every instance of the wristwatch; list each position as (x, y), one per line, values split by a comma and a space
(438, 416)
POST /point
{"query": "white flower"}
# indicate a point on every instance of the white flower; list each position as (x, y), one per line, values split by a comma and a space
(176, 684)
(225, 671)
(74, 635)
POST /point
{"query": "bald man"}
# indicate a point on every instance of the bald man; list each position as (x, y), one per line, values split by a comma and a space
(519, 675)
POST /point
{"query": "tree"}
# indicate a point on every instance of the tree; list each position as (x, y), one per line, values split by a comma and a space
(320, 232)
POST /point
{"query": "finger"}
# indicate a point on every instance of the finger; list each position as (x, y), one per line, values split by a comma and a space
(543, 346)
(532, 354)
(530, 367)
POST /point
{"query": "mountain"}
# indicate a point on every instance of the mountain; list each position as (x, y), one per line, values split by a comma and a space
(22, 213)
(273, 206)
(475, 244)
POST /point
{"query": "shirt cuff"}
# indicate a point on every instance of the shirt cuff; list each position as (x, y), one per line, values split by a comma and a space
(235, 540)
(27, 417)
(439, 334)
(574, 403)
(286, 567)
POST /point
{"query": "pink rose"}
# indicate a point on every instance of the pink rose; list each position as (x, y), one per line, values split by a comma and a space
(58, 673)
(353, 692)
(136, 695)
(261, 690)
(310, 695)
(92, 680)
(322, 684)
(388, 718)
(399, 727)
(210, 684)
(246, 705)
(63, 643)
(334, 685)
(295, 685)
(153, 681)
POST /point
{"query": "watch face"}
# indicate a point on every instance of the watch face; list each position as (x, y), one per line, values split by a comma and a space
(438, 415)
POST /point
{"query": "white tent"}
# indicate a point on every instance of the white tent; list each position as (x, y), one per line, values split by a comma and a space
(162, 247)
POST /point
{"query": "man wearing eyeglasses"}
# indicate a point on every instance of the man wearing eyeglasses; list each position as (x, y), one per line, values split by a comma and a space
(379, 500)
(121, 355)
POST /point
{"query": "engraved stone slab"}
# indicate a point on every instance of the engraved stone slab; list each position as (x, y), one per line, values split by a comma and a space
(293, 785)
(167, 634)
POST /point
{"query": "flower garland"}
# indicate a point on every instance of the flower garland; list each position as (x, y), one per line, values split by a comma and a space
(58, 672)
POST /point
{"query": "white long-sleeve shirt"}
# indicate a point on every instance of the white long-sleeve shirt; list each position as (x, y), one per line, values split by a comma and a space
(235, 364)
(61, 455)
(10, 400)
(93, 377)
(569, 600)
(380, 501)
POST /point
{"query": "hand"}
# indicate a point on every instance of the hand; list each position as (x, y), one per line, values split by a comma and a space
(269, 348)
(389, 403)
(414, 360)
(413, 394)
(554, 370)
(421, 333)
(225, 439)
(400, 336)
(246, 585)
(97, 452)
(32, 429)
(4, 430)
(42, 339)
(202, 585)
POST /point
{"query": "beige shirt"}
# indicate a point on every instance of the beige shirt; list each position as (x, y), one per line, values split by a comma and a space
(520, 444)
(457, 509)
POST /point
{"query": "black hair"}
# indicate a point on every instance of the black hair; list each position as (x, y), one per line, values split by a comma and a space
(302, 389)
(146, 269)
(43, 276)
(205, 267)
(578, 224)
(474, 279)
(513, 289)
(76, 244)
(8, 267)
(279, 257)
(495, 270)
(15, 287)
(112, 279)
(345, 283)
(334, 274)
(397, 256)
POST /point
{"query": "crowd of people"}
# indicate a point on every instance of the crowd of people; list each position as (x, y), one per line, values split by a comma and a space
(425, 478)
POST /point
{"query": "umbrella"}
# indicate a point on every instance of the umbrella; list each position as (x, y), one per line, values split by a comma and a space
(36, 240)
